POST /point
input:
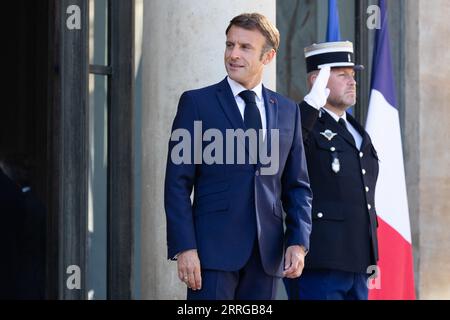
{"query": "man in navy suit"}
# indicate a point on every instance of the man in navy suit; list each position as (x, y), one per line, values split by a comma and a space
(230, 242)
(343, 168)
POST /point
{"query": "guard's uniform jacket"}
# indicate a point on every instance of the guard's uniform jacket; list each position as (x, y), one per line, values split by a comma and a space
(343, 181)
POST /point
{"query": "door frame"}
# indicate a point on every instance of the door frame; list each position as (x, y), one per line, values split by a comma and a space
(68, 150)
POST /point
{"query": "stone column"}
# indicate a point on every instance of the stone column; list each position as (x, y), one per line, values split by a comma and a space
(183, 47)
(427, 131)
(411, 142)
(434, 126)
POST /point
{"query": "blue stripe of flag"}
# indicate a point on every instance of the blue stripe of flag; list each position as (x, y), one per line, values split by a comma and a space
(382, 74)
(333, 29)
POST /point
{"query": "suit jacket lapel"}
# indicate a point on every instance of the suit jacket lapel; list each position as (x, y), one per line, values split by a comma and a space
(328, 120)
(365, 137)
(271, 106)
(229, 105)
(231, 110)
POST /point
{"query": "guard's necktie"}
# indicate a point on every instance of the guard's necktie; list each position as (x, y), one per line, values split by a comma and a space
(349, 134)
(252, 117)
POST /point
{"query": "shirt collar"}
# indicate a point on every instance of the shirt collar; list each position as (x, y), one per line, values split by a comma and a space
(237, 88)
(335, 116)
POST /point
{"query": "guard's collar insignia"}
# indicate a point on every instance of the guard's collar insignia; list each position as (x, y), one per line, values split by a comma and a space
(328, 134)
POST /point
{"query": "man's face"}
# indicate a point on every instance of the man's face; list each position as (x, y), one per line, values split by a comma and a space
(342, 87)
(243, 59)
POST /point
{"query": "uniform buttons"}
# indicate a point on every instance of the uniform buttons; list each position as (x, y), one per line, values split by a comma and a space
(333, 149)
(363, 171)
(367, 189)
(320, 215)
(369, 206)
(361, 154)
(257, 173)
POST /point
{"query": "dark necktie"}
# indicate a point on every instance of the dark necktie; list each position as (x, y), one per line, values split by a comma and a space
(349, 135)
(252, 117)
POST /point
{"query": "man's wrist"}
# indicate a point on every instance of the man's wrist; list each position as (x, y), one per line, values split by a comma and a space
(305, 251)
(310, 101)
(181, 252)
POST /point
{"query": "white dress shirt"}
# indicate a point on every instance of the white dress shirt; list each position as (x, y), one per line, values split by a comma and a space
(356, 135)
(237, 88)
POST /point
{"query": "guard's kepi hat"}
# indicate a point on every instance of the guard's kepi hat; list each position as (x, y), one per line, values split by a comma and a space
(332, 54)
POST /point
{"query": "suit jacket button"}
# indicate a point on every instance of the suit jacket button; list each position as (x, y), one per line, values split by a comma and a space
(257, 173)
(361, 154)
(367, 189)
(363, 171)
(369, 206)
(332, 149)
(320, 215)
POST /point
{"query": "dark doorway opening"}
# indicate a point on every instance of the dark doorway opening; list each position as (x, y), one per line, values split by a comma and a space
(23, 123)
(45, 117)
(24, 133)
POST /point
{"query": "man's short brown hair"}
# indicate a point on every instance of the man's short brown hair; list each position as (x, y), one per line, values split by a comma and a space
(252, 21)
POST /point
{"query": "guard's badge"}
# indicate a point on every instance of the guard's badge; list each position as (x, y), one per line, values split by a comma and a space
(335, 165)
(328, 134)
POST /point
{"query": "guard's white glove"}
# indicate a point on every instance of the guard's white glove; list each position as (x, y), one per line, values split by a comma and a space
(319, 93)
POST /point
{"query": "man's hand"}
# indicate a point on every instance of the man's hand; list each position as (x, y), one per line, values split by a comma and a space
(319, 93)
(189, 269)
(294, 261)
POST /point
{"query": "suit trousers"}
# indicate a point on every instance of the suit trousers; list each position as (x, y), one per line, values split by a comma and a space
(249, 283)
(328, 285)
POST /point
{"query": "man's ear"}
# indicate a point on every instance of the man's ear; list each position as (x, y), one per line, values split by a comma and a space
(312, 78)
(268, 56)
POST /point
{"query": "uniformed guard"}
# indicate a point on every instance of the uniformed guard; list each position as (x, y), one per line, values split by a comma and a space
(343, 169)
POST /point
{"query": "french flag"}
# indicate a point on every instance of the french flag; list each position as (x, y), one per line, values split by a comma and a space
(396, 273)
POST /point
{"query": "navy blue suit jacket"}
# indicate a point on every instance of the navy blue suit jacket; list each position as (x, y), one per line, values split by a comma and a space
(233, 205)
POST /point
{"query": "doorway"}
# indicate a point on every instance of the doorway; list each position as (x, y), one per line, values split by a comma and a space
(47, 119)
